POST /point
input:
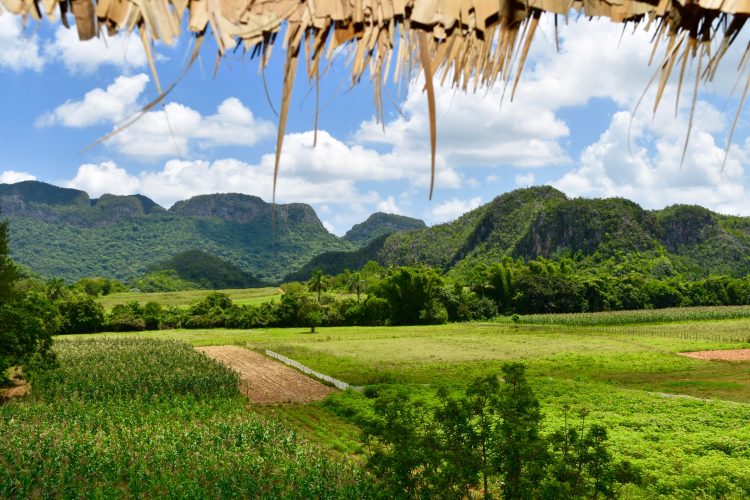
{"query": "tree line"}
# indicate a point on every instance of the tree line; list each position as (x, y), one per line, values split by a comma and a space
(377, 296)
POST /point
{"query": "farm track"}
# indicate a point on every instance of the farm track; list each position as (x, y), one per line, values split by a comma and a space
(266, 381)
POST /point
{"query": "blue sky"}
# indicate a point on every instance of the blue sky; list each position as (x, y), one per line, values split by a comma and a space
(570, 126)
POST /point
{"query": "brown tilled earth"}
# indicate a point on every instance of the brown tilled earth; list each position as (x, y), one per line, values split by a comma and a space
(18, 389)
(266, 381)
(726, 355)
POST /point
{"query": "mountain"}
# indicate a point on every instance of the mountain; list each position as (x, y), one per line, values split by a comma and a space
(62, 232)
(380, 224)
(543, 222)
(207, 271)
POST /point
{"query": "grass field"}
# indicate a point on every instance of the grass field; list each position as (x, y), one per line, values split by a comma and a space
(240, 296)
(626, 376)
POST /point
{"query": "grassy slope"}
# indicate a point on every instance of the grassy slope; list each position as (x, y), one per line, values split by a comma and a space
(686, 446)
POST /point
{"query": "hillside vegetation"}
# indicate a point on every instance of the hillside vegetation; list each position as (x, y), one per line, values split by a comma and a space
(542, 222)
(380, 224)
(63, 233)
(59, 232)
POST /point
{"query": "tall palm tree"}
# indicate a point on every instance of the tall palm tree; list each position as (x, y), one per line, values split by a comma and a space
(356, 283)
(317, 282)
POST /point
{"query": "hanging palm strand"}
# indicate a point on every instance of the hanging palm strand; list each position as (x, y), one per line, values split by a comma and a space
(473, 43)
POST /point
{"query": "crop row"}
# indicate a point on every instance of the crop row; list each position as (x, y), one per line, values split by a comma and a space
(669, 315)
(153, 418)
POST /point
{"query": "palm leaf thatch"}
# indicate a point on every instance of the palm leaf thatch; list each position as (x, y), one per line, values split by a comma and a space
(469, 43)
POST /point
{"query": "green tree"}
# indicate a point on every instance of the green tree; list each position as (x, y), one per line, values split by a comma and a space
(521, 453)
(355, 283)
(27, 320)
(318, 282)
(396, 438)
(8, 270)
(81, 314)
(412, 294)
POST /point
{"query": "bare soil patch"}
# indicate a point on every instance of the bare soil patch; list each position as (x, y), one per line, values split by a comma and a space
(266, 381)
(719, 355)
(17, 389)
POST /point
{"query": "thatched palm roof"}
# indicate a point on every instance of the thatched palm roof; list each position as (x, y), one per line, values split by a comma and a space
(470, 42)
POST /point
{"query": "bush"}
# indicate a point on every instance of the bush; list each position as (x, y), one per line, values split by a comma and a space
(80, 314)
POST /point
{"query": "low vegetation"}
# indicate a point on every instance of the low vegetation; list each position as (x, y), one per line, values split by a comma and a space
(148, 418)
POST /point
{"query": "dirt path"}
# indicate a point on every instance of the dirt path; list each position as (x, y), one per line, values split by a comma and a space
(719, 355)
(266, 381)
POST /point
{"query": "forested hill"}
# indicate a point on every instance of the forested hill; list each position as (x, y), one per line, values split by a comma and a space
(379, 224)
(61, 232)
(543, 222)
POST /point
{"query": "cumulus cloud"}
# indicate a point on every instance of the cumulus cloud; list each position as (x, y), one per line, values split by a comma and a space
(12, 176)
(524, 180)
(650, 172)
(101, 178)
(482, 129)
(112, 104)
(124, 51)
(174, 130)
(181, 179)
(389, 206)
(19, 50)
(453, 208)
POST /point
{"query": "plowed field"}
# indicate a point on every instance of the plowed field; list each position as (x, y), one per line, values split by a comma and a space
(720, 355)
(266, 381)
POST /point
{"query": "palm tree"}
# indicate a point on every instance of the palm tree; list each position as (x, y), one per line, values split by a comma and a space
(356, 284)
(318, 282)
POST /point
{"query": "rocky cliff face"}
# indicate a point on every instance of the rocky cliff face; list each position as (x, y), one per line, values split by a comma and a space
(244, 209)
(379, 224)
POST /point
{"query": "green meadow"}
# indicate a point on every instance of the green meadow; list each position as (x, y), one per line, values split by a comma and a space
(684, 422)
(241, 296)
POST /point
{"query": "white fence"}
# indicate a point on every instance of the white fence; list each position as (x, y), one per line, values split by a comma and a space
(337, 383)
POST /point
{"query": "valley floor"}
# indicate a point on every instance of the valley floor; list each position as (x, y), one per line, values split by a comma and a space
(629, 378)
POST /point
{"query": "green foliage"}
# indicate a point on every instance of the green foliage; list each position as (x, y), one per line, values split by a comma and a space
(27, 319)
(203, 270)
(380, 224)
(8, 271)
(163, 281)
(64, 234)
(139, 418)
(492, 432)
(80, 314)
(99, 286)
(412, 294)
(126, 318)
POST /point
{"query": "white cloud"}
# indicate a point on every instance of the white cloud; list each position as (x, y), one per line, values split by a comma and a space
(525, 180)
(18, 50)
(109, 105)
(12, 176)
(389, 206)
(651, 173)
(181, 179)
(174, 130)
(123, 51)
(453, 208)
(492, 178)
(107, 177)
(329, 227)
